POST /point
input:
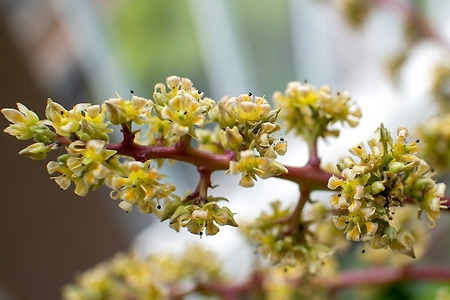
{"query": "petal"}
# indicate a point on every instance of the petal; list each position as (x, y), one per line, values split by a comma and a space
(334, 182)
(354, 234)
(340, 221)
(354, 207)
(371, 228)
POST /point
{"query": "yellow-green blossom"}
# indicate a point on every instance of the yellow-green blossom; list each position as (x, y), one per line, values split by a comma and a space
(182, 105)
(121, 111)
(26, 125)
(94, 125)
(370, 190)
(251, 166)
(140, 187)
(63, 121)
(310, 112)
(85, 164)
(199, 218)
(131, 276)
(307, 245)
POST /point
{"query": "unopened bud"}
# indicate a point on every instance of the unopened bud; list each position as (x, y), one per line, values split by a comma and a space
(396, 167)
(115, 112)
(36, 151)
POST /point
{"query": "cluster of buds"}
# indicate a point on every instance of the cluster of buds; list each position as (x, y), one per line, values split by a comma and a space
(129, 276)
(249, 129)
(309, 245)
(182, 105)
(310, 112)
(198, 216)
(383, 180)
(251, 165)
(121, 111)
(139, 186)
(86, 164)
(248, 122)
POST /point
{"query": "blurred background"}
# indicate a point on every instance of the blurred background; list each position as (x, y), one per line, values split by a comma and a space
(88, 50)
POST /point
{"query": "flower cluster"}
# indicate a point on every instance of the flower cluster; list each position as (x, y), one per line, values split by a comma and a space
(248, 122)
(121, 111)
(86, 164)
(251, 165)
(183, 105)
(308, 245)
(310, 112)
(404, 218)
(383, 180)
(129, 276)
(198, 216)
(140, 186)
(249, 129)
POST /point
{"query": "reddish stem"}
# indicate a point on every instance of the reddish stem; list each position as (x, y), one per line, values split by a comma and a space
(385, 275)
(346, 279)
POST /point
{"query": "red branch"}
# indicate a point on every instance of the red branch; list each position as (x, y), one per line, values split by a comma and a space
(346, 279)
(385, 275)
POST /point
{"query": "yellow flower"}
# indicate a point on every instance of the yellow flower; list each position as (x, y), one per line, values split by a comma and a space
(248, 109)
(310, 112)
(120, 111)
(182, 105)
(64, 122)
(84, 164)
(185, 112)
(23, 121)
(250, 165)
(140, 187)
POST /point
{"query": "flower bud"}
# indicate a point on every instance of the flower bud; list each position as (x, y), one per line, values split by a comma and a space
(231, 138)
(403, 244)
(126, 206)
(377, 187)
(115, 112)
(396, 167)
(36, 151)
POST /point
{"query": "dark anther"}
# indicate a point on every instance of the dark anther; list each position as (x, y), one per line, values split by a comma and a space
(185, 112)
(285, 270)
(201, 233)
(134, 185)
(199, 92)
(250, 94)
(364, 251)
(159, 206)
(432, 170)
(417, 141)
(338, 93)
(131, 91)
(305, 81)
(389, 178)
(281, 139)
(393, 213)
(339, 194)
(359, 147)
(347, 222)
